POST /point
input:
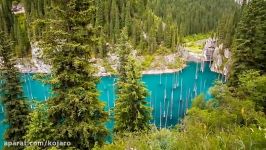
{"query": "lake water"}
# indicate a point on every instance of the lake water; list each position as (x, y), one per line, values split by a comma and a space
(170, 94)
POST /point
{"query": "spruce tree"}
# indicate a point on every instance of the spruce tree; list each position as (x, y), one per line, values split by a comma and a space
(123, 48)
(131, 111)
(76, 113)
(100, 13)
(15, 105)
(117, 24)
(6, 16)
(15, 26)
(249, 47)
(40, 128)
(128, 16)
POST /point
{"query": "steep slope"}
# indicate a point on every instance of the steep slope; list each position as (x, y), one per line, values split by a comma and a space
(152, 25)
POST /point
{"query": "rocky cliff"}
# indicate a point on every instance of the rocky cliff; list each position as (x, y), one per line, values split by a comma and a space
(218, 55)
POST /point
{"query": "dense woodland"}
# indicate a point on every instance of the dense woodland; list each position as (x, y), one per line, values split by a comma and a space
(154, 25)
(74, 31)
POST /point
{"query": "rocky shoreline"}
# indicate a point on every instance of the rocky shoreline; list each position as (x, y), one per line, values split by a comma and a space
(213, 52)
(219, 57)
(34, 69)
(35, 64)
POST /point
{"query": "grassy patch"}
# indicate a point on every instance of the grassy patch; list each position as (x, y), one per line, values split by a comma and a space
(163, 51)
(146, 63)
(196, 37)
(177, 64)
(195, 43)
(195, 48)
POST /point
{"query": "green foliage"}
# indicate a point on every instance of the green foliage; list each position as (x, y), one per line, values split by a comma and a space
(226, 28)
(75, 111)
(149, 24)
(15, 106)
(108, 67)
(178, 63)
(37, 9)
(39, 129)
(162, 50)
(193, 16)
(249, 45)
(226, 122)
(148, 59)
(195, 42)
(72, 32)
(123, 48)
(253, 86)
(6, 16)
(199, 102)
(197, 37)
(131, 110)
(15, 26)
(22, 44)
(153, 139)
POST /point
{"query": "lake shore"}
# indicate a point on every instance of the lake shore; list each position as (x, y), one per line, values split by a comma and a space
(46, 69)
(150, 72)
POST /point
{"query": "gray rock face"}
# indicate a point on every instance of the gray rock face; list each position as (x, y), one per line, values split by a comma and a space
(113, 60)
(190, 56)
(209, 49)
(219, 56)
(34, 64)
(241, 1)
(221, 60)
(227, 53)
(37, 60)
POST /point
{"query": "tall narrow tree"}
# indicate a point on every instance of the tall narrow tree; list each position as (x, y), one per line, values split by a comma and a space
(7, 18)
(15, 106)
(249, 47)
(75, 110)
(131, 111)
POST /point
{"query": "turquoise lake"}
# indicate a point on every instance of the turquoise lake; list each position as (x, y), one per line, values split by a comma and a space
(171, 94)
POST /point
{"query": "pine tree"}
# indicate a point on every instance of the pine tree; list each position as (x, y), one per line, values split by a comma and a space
(152, 41)
(249, 48)
(15, 27)
(193, 16)
(99, 13)
(113, 15)
(15, 106)
(174, 40)
(131, 111)
(40, 128)
(6, 15)
(117, 24)
(123, 48)
(128, 16)
(168, 37)
(76, 113)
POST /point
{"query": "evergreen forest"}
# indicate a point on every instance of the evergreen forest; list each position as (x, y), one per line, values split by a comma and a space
(83, 41)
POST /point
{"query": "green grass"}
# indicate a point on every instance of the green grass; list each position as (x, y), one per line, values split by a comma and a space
(177, 64)
(193, 44)
(146, 64)
(196, 37)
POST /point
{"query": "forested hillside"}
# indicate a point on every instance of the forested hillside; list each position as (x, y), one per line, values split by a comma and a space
(193, 16)
(15, 26)
(152, 25)
(73, 35)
